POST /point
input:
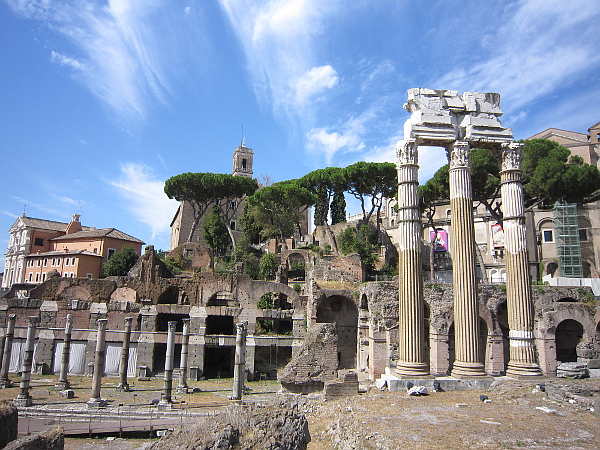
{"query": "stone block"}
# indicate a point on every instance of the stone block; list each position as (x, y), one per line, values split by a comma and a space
(67, 393)
(572, 370)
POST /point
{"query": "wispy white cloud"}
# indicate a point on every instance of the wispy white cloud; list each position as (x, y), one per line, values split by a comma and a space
(69, 200)
(540, 47)
(28, 204)
(313, 82)
(126, 55)
(145, 197)
(9, 214)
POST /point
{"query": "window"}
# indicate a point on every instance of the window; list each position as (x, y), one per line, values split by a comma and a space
(44, 276)
(583, 236)
(548, 235)
(45, 262)
(96, 250)
(448, 213)
(244, 163)
(66, 261)
(30, 276)
(39, 242)
(39, 263)
(232, 225)
(72, 274)
(233, 204)
(89, 275)
(73, 261)
(111, 251)
(37, 277)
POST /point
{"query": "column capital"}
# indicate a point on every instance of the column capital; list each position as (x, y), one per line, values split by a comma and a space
(33, 320)
(460, 155)
(172, 325)
(241, 327)
(511, 156)
(69, 324)
(12, 316)
(102, 324)
(406, 152)
(128, 321)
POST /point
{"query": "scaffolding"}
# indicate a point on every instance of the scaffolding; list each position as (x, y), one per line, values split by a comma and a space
(568, 247)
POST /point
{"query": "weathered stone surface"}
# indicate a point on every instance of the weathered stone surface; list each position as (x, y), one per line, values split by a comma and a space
(276, 426)
(573, 370)
(316, 362)
(9, 420)
(51, 439)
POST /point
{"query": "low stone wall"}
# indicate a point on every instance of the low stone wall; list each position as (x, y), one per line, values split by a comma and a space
(9, 417)
(51, 439)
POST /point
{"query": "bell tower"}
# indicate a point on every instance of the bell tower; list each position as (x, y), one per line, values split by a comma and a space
(242, 161)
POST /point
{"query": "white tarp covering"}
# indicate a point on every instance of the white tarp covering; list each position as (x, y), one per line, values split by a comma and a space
(76, 358)
(112, 361)
(17, 355)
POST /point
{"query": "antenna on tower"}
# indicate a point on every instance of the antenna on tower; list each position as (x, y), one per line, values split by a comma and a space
(243, 138)
(24, 207)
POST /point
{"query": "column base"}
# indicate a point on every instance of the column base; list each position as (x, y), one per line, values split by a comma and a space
(96, 403)
(23, 401)
(182, 389)
(462, 369)
(62, 385)
(165, 405)
(411, 369)
(6, 384)
(520, 370)
(123, 387)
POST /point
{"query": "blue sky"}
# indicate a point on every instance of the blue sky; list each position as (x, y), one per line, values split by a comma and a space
(101, 101)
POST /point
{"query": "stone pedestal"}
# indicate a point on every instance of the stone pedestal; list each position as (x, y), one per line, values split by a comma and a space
(123, 385)
(7, 352)
(466, 306)
(522, 361)
(24, 399)
(411, 348)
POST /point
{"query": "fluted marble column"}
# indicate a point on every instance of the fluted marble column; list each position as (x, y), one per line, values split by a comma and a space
(123, 385)
(95, 399)
(183, 365)
(411, 333)
(63, 382)
(522, 359)
(24, 399)
(168, 378)
(8, 339)
(467, 361)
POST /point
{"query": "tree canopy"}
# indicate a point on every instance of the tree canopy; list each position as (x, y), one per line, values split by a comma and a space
(120, 263)
(201, 190)
(549, 174)
(214, 231)
(277, 209)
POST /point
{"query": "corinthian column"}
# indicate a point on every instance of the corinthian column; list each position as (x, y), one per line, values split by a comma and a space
(166, 399)
(522, 360)
(63, 382)
(466, 305)
(123, 385)
(8, 338)
(95, 400)
(411, 348)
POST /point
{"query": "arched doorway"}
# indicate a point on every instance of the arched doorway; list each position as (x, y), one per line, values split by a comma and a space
(568, 334)
(342, 311)
(483, 344)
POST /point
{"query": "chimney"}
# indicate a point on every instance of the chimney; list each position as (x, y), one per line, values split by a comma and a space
(75, 225)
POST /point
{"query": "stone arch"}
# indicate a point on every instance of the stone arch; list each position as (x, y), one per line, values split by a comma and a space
(568, 334)
(293, 261)
(342, 311)
(169, 296)
(124, 294)
(286, 293)
(223, 298)
(551, 268)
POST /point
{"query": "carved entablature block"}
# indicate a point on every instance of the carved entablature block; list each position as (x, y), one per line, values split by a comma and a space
(406, 152)
(442, 116)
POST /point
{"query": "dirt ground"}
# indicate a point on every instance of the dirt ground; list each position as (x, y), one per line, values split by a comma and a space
(385, 420)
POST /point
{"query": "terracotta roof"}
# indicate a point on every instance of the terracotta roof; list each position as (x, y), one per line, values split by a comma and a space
(94, 233)
(45, 224)
(60, 253)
